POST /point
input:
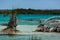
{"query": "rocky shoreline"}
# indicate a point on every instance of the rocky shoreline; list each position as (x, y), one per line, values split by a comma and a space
(41, 28)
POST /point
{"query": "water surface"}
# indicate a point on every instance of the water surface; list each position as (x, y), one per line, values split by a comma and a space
(25, 25)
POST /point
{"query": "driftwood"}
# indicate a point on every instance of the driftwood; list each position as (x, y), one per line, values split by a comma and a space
(11, 27)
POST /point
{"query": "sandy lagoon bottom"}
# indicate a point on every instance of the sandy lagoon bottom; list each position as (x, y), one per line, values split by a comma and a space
(27, 34)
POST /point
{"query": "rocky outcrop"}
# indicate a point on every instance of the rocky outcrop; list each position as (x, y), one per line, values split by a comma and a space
(40, 28)
(11, 27)
(10, 31)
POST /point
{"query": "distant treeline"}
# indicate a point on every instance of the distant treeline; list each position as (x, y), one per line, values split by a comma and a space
(30, 11)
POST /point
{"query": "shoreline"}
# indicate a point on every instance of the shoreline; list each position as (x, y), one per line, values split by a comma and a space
(29, 30)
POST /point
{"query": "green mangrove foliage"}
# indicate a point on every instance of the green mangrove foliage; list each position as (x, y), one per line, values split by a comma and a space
(30, 11)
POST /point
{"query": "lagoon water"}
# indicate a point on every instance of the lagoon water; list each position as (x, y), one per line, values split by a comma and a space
(24, 17)
(28, 26)
(41, 36)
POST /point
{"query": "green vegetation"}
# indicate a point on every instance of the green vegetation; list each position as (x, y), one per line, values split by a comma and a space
(30, 11)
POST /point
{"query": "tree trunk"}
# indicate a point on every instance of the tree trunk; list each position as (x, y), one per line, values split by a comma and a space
(12, 23)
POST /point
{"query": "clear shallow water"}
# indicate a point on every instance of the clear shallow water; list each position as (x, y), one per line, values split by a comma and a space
(27, 26)
(42, 36)
(20, 17)
(35, 16)
(29, 16)
(23, 28)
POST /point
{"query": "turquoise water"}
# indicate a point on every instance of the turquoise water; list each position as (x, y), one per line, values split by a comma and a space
(24, 17)
(35, 16)
(29, 16)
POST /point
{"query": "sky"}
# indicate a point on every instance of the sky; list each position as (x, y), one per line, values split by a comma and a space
(34, 4)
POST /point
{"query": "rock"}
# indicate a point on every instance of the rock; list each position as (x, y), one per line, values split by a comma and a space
(11, 27)
(10, 31)
(40, 28)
